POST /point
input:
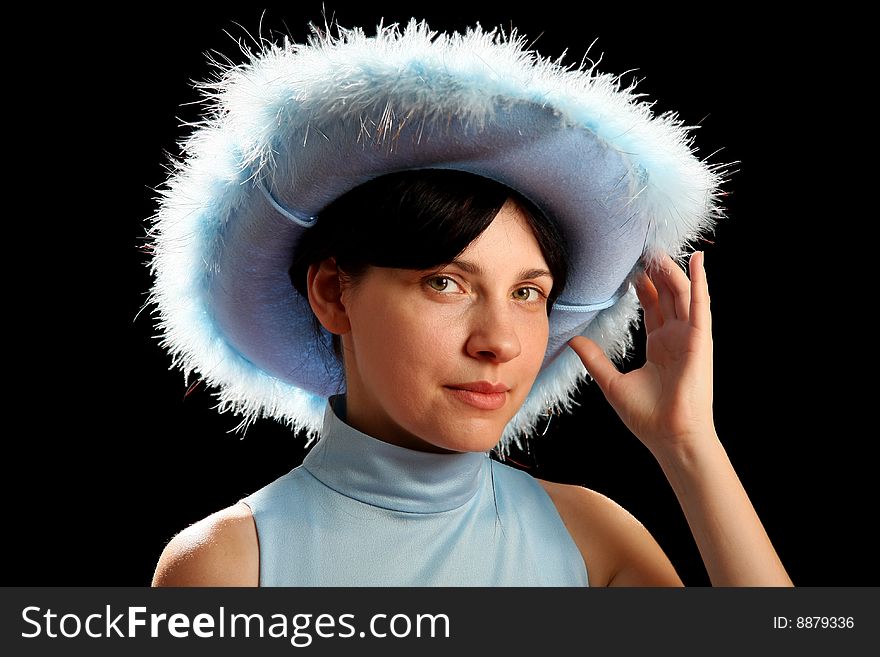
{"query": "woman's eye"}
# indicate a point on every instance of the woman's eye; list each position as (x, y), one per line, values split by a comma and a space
(528, 294)
(440, 283)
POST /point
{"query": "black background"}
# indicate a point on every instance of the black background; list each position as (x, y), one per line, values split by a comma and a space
(108, 458)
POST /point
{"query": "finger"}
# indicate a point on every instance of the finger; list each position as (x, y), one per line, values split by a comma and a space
(594, 359)
(665, 294)
(700, 315)
(676, 281)
(650, 302)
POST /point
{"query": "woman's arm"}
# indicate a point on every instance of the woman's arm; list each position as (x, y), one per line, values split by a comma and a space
(667, 404)
(220, 550)
(732, 541)
(617, 549)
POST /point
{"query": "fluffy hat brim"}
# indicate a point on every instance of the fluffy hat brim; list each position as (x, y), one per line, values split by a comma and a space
(300, 124)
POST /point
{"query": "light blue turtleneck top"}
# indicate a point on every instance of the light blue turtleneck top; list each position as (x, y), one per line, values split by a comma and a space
(363, 512)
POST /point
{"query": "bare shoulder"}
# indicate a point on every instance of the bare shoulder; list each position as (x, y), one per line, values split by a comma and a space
(617, 549)
(220, 550)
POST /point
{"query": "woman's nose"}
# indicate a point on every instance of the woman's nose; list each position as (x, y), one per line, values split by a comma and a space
(493, 334)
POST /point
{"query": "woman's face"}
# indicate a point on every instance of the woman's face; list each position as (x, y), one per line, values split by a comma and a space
(418, 337)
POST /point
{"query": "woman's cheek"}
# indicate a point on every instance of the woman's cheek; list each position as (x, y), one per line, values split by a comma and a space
(536, 336)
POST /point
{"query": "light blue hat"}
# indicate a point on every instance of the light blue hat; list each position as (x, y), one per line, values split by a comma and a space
(298, 125)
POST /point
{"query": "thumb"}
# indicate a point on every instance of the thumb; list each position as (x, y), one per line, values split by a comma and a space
(594, 359)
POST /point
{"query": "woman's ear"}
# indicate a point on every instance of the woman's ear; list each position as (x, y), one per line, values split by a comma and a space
(325, 296)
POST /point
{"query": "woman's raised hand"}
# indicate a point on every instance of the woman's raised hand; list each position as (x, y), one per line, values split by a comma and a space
(667, 403)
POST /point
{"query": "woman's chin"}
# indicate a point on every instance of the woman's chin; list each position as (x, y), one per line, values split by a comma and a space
(469, 434)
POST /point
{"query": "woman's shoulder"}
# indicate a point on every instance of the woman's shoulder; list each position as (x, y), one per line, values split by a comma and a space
(220, 550)
(618, 549)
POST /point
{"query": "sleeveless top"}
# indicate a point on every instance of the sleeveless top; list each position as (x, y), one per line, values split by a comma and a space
(363, 512)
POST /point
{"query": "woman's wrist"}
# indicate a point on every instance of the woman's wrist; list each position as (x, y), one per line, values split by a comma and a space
(688, 452)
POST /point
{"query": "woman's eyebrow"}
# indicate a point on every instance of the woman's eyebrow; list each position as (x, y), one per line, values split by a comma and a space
(474, 268)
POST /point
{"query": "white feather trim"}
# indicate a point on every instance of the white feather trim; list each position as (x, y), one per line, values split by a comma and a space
(247, 106)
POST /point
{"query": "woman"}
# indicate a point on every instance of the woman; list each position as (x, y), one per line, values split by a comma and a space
(427, 262)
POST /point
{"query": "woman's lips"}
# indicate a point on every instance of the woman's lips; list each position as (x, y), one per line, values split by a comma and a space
(486, 401)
